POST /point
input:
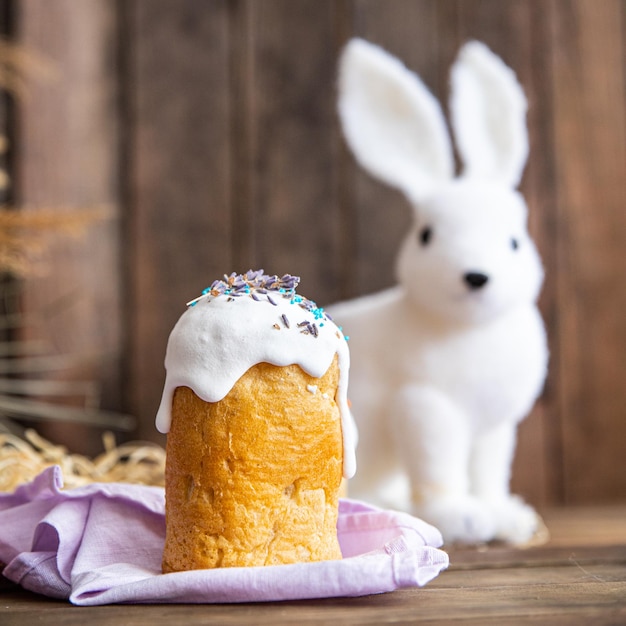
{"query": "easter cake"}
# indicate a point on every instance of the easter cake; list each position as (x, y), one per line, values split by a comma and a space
(259, 429)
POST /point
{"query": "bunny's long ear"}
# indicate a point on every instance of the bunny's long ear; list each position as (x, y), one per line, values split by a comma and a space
(392, 123)
(488, 114)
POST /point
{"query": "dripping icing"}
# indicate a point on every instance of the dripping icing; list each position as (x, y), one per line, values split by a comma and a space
(247, 319)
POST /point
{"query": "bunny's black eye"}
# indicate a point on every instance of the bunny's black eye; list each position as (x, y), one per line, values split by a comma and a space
(514, 243)
(426, 234)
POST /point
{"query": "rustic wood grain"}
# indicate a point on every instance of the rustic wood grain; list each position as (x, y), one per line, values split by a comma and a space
(6, 117)
(178, 175)
(66, 156)
(294, 148)
(575, 579)
(538, 471)
(511, 602)
(590, 161)
(7, 136)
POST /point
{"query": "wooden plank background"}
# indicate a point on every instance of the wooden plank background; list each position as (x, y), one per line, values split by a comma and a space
(209, 129)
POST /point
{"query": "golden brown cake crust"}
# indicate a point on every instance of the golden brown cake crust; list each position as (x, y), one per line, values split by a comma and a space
(254, 478)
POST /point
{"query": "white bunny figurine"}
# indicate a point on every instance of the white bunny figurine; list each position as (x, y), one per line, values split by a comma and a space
(446, 364)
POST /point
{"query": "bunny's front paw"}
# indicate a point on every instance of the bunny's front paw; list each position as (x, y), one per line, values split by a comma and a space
(460, 519)
(516, 522)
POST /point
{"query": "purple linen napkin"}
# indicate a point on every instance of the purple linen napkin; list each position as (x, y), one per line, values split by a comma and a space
(102, 544)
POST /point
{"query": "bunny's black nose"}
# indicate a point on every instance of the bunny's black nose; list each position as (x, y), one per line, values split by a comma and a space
(475, 280)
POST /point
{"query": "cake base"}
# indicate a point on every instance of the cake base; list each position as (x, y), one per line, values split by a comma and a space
(254, 479)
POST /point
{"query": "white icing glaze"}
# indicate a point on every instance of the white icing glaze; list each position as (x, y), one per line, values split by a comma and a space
(218, 338)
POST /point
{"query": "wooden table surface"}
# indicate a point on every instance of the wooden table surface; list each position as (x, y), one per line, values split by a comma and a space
(578, 577)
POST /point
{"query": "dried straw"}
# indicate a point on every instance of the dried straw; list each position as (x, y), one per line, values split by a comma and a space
(135, 462)
(25, 234)
(19, 63)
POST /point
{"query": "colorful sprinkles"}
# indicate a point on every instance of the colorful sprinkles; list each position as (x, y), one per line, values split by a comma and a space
(265, 287)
